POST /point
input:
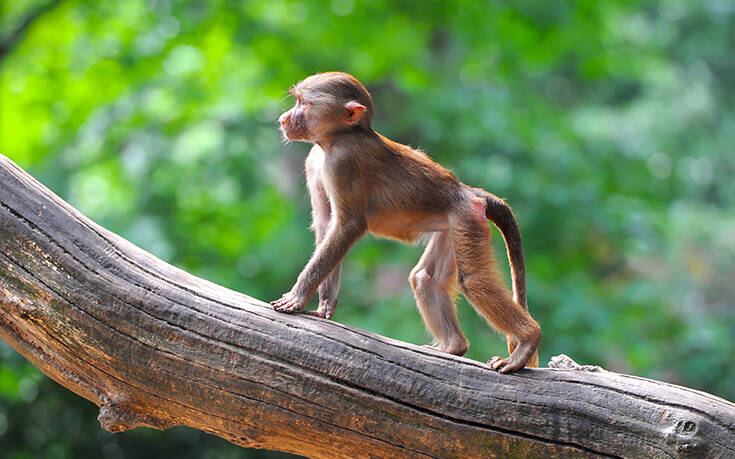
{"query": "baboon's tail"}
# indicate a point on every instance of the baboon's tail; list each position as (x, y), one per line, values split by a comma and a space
(500, 213)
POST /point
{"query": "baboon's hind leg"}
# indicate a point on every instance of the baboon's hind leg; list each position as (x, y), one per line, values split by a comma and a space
(433, 281)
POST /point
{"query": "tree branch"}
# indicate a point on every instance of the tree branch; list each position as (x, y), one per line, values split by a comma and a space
(154, 346)
(7, 44)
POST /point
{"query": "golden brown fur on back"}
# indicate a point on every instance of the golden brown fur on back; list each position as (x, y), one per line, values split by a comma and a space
(410, 194)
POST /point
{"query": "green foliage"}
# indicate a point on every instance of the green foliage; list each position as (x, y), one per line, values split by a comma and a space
(608, 126)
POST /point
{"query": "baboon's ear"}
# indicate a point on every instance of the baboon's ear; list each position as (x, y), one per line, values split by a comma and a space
(354, 111)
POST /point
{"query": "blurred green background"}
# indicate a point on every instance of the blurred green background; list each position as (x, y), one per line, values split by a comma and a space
(608, 126)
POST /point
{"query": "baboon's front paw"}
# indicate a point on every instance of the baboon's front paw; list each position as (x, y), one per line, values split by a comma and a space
(289, 302)
(326, 309)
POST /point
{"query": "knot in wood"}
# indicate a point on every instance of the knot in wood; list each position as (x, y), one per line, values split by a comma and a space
(120, 416)
(686, 428)
(683, 434)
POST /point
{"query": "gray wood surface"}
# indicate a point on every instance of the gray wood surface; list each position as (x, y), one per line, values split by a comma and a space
(155, 346)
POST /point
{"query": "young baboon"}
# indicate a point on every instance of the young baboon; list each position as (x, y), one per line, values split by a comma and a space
(360, 181)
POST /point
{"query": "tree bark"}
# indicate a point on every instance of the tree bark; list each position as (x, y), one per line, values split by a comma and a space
(154, 346)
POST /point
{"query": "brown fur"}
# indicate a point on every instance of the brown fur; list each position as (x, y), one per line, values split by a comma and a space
(360, 181)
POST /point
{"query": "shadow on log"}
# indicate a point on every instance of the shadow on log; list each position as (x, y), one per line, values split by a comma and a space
(154, 346)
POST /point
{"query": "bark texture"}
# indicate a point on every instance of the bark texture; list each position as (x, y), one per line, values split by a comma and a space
(154, 346)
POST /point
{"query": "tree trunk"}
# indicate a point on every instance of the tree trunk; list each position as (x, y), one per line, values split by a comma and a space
(154, 346)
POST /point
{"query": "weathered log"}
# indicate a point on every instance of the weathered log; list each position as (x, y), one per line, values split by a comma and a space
(154, 346)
